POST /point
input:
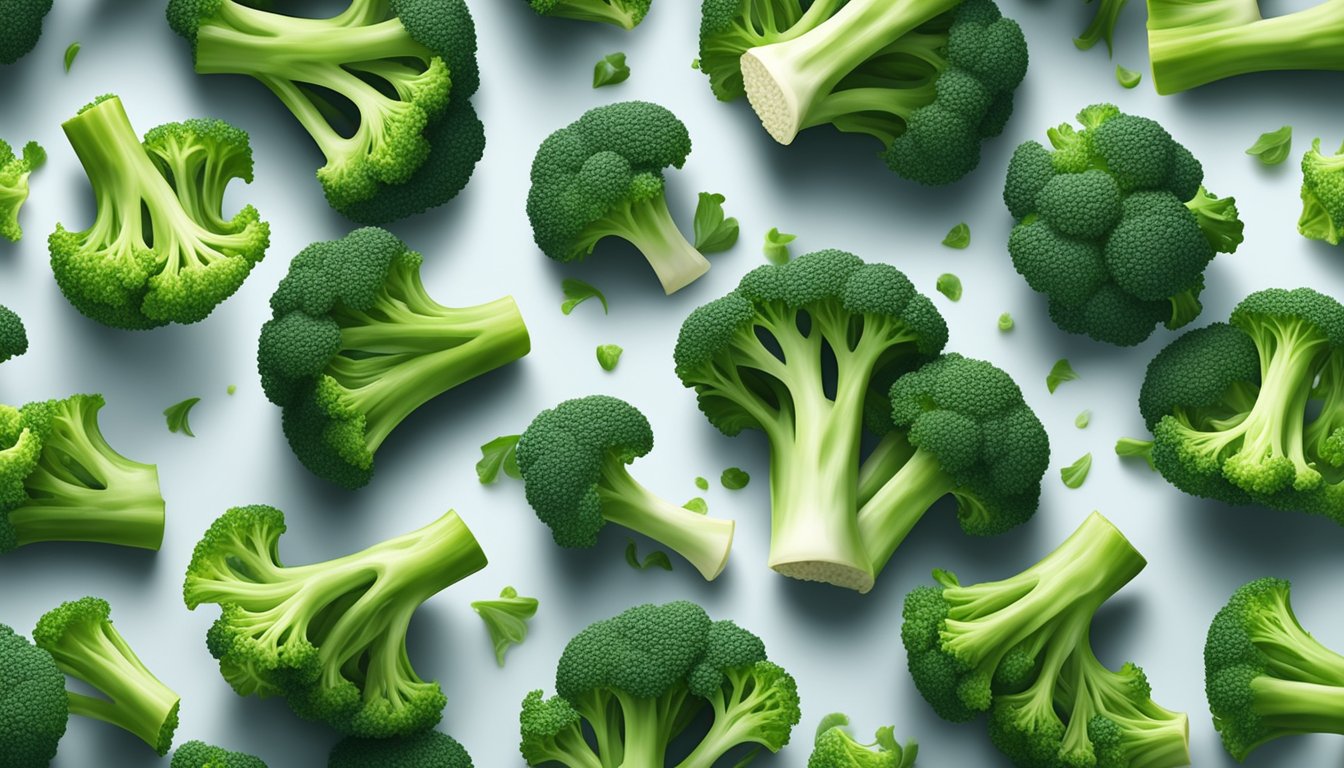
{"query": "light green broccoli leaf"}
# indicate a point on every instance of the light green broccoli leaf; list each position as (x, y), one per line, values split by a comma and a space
(499, 454)
(70, 53)
(577, 292)
(1082, 420)
(178, 415)
(713, 232)
(608, 355)
(702, 483)
(695, 63)
(1076, 473)
(777, 246)
(958, 237)
(1130, 447)
(1006, 322)
(1060, 372)
(697, 505)
(950, 286)
(506, 619)
(734, 479)
(1127, 78)
(610, 70)
(655, 559)
(1274, 147)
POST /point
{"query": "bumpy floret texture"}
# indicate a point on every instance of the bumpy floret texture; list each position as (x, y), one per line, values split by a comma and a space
(14, 172)
(836, 747)
(1322, 195)
(430, 749)
(13, 336)
(33, 704)
(22, 27)
(198, 754)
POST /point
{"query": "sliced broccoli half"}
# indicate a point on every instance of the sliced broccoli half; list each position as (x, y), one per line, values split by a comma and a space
(1322, 195)
(574, 460)
(198, 754)
(159, 250)
(648, 676)
(22, 27)
(329, 637)
(929, 79)
(13, 336)
(430, 749)
(355, 344)
(80, 636)
(602, 176)
(625, 14)
(34, 707)
(14, 173)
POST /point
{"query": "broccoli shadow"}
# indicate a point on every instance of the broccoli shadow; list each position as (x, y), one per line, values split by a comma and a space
(1115, 628)
(1270, 92)
(289, 739)
(624, 276)
(97, 741)
(73, 562)
(542, 41)
(1257, 541)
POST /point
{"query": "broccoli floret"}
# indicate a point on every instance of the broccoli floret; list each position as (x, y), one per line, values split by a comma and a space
(34, 708)
(574, 459)
(835, 747)
(958, 427)
(1114, 227)
(329, 637)
(61, 481)
(1019, 649)
(22, 28)
(1265, 675)
(160, 249)
(644, 678)
(14, 173)
(623, 13)
(382, 88)
(602, 176)
(1322, 195)
(355, 344)
(198, 754)
(929, 79)
(758, 359)
(430, 749)
(13, 336)
(80, 637)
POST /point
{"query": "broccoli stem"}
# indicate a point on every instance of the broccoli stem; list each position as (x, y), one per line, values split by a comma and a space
(647, 729)
(704, 541)
(647, 224)
(740, 715)
(889, 516)
(1102, 26)
(1290, 706)
(132, 698)
(888, 456)
(602, 11)
(1323, 438)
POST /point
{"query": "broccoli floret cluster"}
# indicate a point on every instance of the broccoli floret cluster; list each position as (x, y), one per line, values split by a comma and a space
(198, 754)
(648, 676)
(623, 13)
(22, 27)
(355, 344)
(430, 749)
(930, 80)
(1252, 412)
(13, 336)
(34, 708)
(329, 637)
(574, 459)
(1322, 195)
(14, 173)
(836, 747)
(602, 176)
(404, 71)
(1019, 650)
(1114, 227)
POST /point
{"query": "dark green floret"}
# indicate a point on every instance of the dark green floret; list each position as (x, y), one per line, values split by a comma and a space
(355, 344)
(13, 336)
(329, 637)
(1114, 227)
(929, 79)
(574, 460)
(1322, 195)
(430, 749)
(22, 27)
(623, 13)
(80, 636)
(14, 173)
(652, 675)
(198, 754)
(34, 708)
(836, 747)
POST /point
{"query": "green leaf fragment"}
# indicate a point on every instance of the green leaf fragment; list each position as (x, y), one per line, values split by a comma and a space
(1127, 78)
(576, 292)
(697, 505)
(610, 70)
(702, 483)
(1274, 147)
(655, 559)
(232, 389)
(1076, 473)
(695, 63)
(1060, 372)
(506, 619)
(1129, 447)
(958, 237)
(950, 286)
(1006, 322)
(777, 246)
(499, 454)
(608, 355)
(713, 232)
(70, 53)
(734, 479)
(179, 414)
(1082, 420)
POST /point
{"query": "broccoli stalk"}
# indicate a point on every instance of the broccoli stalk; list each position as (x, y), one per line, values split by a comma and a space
(646, 223)
(79, 635)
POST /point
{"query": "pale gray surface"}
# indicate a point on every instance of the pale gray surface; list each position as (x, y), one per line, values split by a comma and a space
(844, 648)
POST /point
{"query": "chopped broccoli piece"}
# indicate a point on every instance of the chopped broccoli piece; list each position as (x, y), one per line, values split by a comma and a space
(198, 754)
(576, 292)
(610, 70)
(430, 749)
(776, 247)
(34, 707)
(734, 479)
(1127, 78)
(835, 747)
(950, 286)
(14, 173)
(506, 619)
(178, 416)
(499, 454)
(1127, 447)
(623, 13)
(1273, 147)
(713, 231)
(1060, 372)
(608, 355)
(1322, 195)
(958, 237)
(1006, 322)
(1083, 419)
(13, 336)
(655, 559)
(71, 51)
(1075, 474)
(355, 344)
(22, 28)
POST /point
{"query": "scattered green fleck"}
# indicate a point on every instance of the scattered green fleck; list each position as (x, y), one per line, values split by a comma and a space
(232, 389)
(958, 237)
(1273, 148)
(577, 292)
(713, 232)
(506, 619)
(178, 414)
(1127, 78)
(697, 505)
(1127, 447)
(500, 453)
(608, 355)
(1060, 372)
(1074, 474)
(702, 483)
(1082, 420)
(734, 479)
(610, 70)
(777, 246)
(950, 286)
(656, 558)
(70, 54)
(1005, 322)
(695, 63)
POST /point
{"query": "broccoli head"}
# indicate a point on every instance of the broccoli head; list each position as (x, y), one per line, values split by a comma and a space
(1019, 649)
(34, 708)
(22, 28)
(929, 79)
(13, 336)
(1265, 675)
(574, 459)
(958, 427)
(382, 88)
(355, 344)
(623, 13)
(646, 677)
(329, 637)
(836, 747)
(198, 754)
(61, 481)
(758, 358)
(80, 636)
(14, 173)
(1322, 195)
(160, 249)
(602, 176)
(430, 749)
(1114, 227)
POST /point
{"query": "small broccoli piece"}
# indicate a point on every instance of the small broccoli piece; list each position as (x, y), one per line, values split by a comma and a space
(638, 680)
(1102, 26)
(758, 358)
(61, 481)
(22, 27)
(160, 249)
(573, 458)
(79, 635)
(623, 13)
(506, 619)
(197, 754)
(602, 176)
(14, 173)
(929, 79)
(401, 137)
(329, 637)
(430, 749)
(1265, 676)
(958, 427)
(355, 344)
(1322, 195)
(1114, 227)
(13, 336)
(34, 707)
(835, 747)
